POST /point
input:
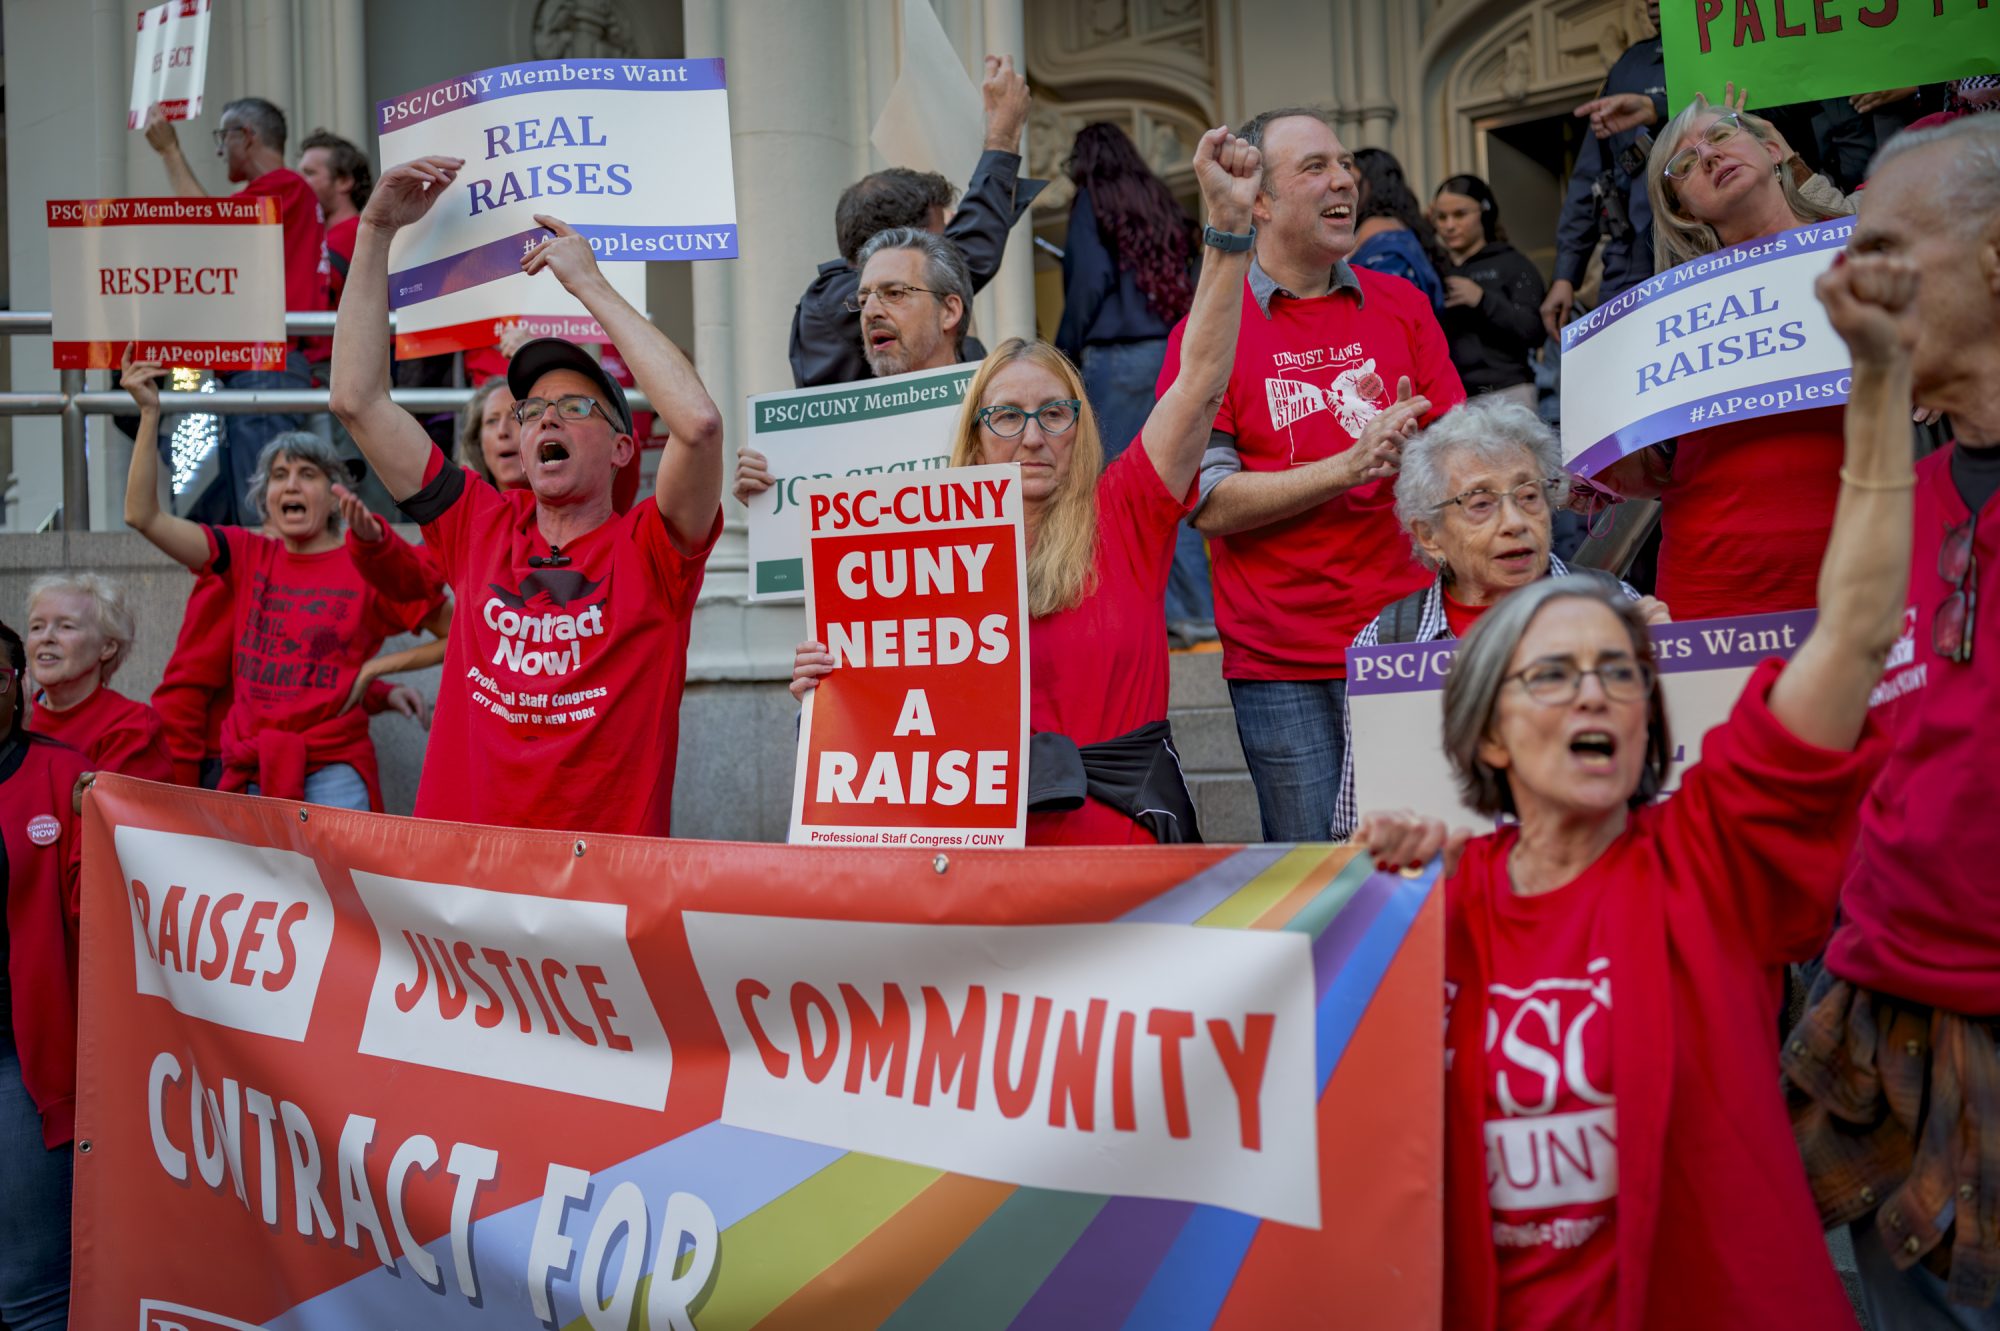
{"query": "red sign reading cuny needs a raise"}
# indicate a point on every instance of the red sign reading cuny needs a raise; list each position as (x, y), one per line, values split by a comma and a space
(918, 587)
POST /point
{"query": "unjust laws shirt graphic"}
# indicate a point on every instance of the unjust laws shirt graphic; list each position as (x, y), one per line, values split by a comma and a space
(1551, 1133)
(560, 701)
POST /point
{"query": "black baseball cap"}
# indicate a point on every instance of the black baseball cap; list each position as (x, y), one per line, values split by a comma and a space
(544, 354)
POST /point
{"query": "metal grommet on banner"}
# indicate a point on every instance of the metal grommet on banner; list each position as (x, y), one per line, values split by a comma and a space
(302, 815)
(83, 1147)
(940, 862)
(578, 848)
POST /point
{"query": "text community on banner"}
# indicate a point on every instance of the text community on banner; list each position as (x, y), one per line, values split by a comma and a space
(633, 153)
(918, 586)
(876, 427)
(1730, 336)
(169, 61)
(181, 281)
(419, 1074)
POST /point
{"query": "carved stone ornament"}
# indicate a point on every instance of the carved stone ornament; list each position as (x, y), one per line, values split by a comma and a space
(1515, 73)
(582, 30)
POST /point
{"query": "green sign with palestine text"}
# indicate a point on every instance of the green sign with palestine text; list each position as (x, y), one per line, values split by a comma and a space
(1784, 51)
(902, 423)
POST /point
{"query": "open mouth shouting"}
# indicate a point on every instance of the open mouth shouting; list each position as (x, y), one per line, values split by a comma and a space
(881, 336)
(293, 510)
(552, 451)
(1595, 750)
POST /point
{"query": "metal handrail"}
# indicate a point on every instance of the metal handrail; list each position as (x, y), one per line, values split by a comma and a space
(298, 323)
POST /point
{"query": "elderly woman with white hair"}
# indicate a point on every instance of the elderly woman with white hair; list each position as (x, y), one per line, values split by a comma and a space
(79, 632)
(1475, 494)
(1628, 1163)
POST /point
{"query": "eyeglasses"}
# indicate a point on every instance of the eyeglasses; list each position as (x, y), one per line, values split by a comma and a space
(1724, 128)
(1951, 628)
(570, 407)
(221, 136)
(892, 294)
(1054, 417)
(1481, 504)
(1558, 682)
(1598, 505)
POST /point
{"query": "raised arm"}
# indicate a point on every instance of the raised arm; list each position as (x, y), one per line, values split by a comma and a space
(178, 538)
(1864, 580)
(389, 437)
(166, 142)
(1228, 171)
(688, 488)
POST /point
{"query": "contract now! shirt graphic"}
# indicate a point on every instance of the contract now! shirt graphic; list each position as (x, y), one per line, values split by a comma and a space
(1551, 1133)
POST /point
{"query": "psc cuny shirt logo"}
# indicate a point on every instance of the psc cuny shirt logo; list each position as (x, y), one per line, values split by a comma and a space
(541, 630)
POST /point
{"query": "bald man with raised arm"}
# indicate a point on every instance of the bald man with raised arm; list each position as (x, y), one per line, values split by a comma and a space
(567, 612)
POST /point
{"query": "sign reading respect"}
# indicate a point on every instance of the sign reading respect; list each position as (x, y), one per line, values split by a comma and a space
(169, 61)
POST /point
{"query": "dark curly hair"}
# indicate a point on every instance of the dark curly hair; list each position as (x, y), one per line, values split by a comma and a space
(348, 161)
(1141, 223)
(885, 200)
(1384, 193)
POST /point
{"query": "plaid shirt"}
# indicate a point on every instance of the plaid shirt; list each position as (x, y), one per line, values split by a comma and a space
(1432, 626)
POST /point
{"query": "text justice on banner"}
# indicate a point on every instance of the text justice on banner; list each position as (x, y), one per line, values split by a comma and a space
(427, 1074)
(181, 281)
(918, 586)
(872, 428)
(1807, 50)
(1729, 336)
(633, 153)
(169, 61)
(1396, 704)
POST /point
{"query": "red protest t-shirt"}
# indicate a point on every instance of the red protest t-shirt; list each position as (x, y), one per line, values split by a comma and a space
(339, 256)
(560, 702)
(302, 625)
(305, 232)
(1459, 617)
(1920, 911)
(194, 692)
(1099, 669)
(116, 733)
(1551, 1116)
(1290, 596)
(1744, 521)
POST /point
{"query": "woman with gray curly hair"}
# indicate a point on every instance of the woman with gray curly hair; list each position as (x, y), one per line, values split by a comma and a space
(79, 632)
(1476, 495)
(1629, 1162)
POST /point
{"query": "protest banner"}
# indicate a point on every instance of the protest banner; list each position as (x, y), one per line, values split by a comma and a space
(341, 1070)
(1396, 705)
(1730, 336)
(919, 589)
(540, 305)
(198, 282)
(1805, 50)
(169, 61)
(876, 427)
(633, 153)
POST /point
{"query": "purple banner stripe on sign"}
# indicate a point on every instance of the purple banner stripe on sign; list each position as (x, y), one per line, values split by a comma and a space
(1740, 404)
(613, 244)
(1730, 261)
(1100, 1279)
(488, 85)
(1335, 948)
(1401, 668)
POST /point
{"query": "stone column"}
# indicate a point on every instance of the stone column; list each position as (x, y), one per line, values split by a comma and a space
(1377, 111)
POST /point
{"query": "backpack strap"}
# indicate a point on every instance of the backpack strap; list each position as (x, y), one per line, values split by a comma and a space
(1403, 619)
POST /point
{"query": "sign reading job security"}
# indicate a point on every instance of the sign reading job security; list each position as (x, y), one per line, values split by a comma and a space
(874, 427)
(1730, 336)
(633, 153)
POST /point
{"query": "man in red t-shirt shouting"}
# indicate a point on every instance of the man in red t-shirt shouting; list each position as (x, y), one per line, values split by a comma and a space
(1896, 1066)
(251, 144)
(560, 704)
(1334, 368)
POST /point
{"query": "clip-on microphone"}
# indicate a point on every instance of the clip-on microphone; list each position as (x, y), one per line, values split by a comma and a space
(556, 559)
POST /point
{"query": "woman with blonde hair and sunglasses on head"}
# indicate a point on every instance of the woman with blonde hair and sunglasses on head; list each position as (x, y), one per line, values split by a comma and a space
(1745, 506)
(1100, 547)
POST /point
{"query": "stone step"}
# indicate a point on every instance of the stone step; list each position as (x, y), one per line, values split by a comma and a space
(1197, 680)
(1226, 803)
(1206, 739)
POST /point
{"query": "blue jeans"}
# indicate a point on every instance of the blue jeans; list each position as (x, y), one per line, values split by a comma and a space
(34, 1207)
(1912, 1300)
(1119, 378)
(244, 437)
(336, 785)
(1294, 734)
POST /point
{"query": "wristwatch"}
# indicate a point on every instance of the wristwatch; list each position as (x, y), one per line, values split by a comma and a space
(1229, 242)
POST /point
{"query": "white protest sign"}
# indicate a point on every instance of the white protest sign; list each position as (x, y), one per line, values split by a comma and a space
(874, 427)
(541, 306)
(1730, 336)
(1395, 699)
(633, 153)
(170, 61)
(185, 281)
(918, 585)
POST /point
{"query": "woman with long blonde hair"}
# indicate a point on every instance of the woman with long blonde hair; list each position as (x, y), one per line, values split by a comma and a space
(1100, 547)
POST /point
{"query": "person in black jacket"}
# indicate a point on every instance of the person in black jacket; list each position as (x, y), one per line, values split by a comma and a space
(1492, 297)
(826, 335)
